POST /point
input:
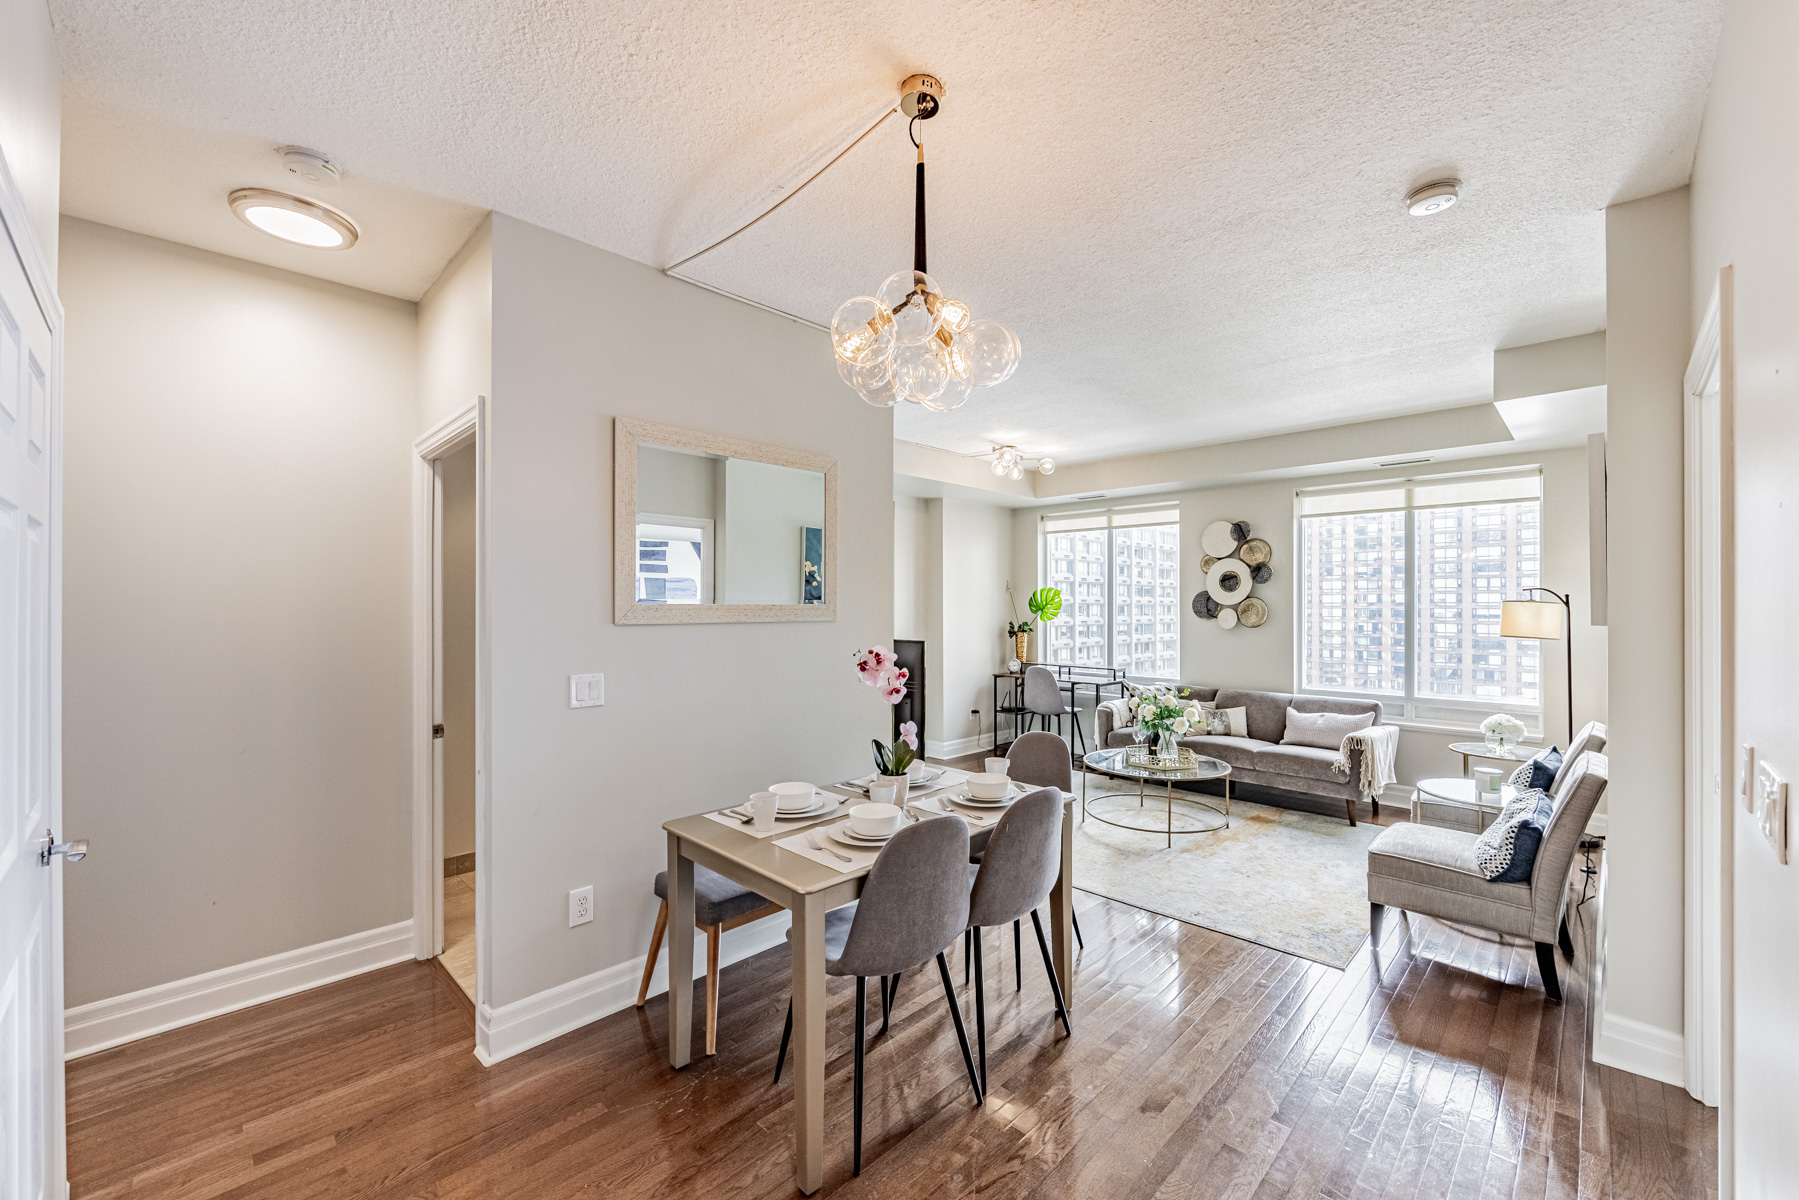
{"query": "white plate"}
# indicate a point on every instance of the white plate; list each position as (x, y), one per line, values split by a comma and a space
(972, 802)
(820, 803)
(842, 836)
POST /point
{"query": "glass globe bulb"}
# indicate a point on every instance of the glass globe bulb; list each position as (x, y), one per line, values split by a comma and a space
(1016, 472)
(1046, 466)
(913, 299)
(898, 286)
(999, 466)
(862, 331)
(954, 314)
(992, 352)
(955, 394)
(875, 375)
(914, 322)
(921, 370)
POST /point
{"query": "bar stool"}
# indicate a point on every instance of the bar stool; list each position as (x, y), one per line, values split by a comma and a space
(1043, 698)
(718, 904)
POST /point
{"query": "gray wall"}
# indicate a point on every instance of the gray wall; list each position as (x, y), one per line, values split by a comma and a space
(457, 541)
(236, 592)
(1745, 190)
(455, 332)
(31, 114)
(1648, 340)
(695, 715)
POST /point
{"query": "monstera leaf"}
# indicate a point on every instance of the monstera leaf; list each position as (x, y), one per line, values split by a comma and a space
(1045, 603)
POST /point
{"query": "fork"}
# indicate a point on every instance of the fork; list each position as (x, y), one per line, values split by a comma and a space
(812, 841)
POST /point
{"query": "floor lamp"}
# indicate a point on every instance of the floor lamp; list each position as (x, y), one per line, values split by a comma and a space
(1543, 620)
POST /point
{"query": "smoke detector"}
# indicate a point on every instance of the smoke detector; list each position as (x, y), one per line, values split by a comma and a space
(1433, 197)
(309, 166)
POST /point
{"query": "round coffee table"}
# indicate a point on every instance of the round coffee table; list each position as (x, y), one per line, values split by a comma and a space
(1468, 750)
(1112, 762)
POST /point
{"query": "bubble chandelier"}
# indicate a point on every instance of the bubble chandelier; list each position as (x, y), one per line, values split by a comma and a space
(907, 341)
(1007, 461)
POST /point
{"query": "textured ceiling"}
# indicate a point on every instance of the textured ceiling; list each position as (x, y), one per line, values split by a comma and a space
(1189, 212)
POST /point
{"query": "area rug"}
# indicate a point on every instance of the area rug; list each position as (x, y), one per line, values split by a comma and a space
(1294, 881)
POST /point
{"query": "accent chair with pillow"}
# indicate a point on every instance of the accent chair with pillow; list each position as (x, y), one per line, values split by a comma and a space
(1465, 877)
(1303, 758)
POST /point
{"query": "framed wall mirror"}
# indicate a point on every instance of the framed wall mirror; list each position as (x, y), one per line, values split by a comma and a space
(709, 529)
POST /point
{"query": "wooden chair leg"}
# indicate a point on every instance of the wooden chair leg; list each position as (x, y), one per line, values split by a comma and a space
(1566, 939)
(712, 936)
(1552, 987)
(649, 963)
(1349, 811)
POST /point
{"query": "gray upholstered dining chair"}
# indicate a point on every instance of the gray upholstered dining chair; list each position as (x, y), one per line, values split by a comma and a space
(1043, 698)
(1038, 759)
(913, 904)
(1015, 875)
(719, 905)
(1424, 869)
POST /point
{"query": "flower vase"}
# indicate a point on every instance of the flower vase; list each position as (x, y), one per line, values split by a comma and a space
(889, 789)
(1021, 646)
(1166, 746)
(1496, 740)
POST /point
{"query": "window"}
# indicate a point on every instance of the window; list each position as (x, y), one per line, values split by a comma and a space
(1120, 577)
(674, 560)
(1432, 560)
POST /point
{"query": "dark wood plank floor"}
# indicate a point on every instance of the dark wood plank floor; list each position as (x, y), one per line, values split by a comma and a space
(1201, 1066)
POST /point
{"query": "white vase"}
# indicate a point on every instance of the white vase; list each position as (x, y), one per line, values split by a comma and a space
(889, 789)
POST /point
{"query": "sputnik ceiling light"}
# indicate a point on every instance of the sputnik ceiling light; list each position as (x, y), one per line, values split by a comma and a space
(1008, 461)
(907, 341)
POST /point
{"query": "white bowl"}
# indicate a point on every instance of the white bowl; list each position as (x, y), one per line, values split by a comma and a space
(918, 767)
(793, 797)
(874, 820)
(986, 786)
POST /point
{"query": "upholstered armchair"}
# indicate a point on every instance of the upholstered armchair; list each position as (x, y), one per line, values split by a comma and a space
(1431, 871)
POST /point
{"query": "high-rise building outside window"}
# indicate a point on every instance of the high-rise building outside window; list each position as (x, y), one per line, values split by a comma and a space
(1119, 575)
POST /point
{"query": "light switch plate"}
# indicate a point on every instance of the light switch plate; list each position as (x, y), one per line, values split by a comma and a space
(580, 906)
(1746, 773)
(1771, 807)
(586, 691)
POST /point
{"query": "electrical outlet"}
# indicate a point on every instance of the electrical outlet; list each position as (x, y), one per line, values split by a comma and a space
(586, 691)
(580, 906)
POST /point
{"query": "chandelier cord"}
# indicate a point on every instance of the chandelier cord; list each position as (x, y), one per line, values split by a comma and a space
(918, 218)
(673, 267)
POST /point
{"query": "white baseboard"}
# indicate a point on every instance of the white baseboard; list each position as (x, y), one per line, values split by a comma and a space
(121, 1019)
(1640, 1048)
(1596, 824)
(514, 1028)
(957, 747)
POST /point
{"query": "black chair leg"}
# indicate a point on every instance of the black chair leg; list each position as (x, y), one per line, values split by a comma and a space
(1018, 955)
(1566, 939)
(1080, 735)
(786, 1036)
(980, 1007)
(967, 942)
(893, 999)
(1049, 965)
(955, 1013)
(886, 1007)
(1075, 917)
(861, 1038)
(1552, 987)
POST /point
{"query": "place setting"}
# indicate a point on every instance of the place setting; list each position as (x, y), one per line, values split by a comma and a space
(855, 841)
(773, 811)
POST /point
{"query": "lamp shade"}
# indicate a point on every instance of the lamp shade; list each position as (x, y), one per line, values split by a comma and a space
(1531, 619)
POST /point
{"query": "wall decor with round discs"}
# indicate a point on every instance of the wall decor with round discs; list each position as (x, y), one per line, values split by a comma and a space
(1234, 564)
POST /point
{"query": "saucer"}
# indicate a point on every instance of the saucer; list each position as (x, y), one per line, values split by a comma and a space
(821, 803)
(842, 835)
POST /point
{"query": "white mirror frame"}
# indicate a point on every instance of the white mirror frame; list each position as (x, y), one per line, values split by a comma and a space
(627, 435)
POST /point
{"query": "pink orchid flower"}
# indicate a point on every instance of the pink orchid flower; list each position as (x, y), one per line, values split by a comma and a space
(891, 690)
(909, 735)
(870, 664)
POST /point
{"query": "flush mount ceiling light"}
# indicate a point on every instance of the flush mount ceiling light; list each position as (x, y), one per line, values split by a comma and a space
(908, 341)
(292, 219)
(1433, 197)
(1007, 461)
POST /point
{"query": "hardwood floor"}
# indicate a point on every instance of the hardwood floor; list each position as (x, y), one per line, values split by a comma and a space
(1201, 1066)
(458, 957)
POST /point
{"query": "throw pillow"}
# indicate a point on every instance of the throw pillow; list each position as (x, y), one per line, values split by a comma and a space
(1231, 722)
(1507, 851)
(1326, 731)
(1539, 772)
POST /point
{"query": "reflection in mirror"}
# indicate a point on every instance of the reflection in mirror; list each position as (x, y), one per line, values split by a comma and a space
(718, 530)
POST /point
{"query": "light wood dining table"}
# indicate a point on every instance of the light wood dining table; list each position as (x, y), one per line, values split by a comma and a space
(808, 890)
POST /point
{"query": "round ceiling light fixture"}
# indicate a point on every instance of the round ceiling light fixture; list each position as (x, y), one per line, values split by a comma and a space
(292, 219)
(1433, 197)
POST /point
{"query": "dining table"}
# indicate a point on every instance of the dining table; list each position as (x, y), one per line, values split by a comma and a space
(809, 882)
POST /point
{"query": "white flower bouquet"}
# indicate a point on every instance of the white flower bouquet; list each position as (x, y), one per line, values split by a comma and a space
(1163, 715)
(1502, 730)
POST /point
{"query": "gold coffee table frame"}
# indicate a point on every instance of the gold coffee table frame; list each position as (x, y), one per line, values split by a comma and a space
(1112, 762)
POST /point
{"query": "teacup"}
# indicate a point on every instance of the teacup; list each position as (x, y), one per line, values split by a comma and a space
(792, 797)
(874, 820)
(998, 766)
(989, 786)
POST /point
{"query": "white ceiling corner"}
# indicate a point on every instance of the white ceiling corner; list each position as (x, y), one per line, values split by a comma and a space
(1189, 212)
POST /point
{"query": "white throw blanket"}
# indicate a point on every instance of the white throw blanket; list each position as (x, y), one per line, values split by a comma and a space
(1380, 746)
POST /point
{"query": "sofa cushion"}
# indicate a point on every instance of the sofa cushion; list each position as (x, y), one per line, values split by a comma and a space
(1331, 704)
(1238, 752)
(1308, 762)
(1440, 859)
(1506, 850)
(1228, 722)
(1267, 711)
(1540, 771)
(1325, 731)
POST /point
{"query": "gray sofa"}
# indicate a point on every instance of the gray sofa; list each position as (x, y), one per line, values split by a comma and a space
(1260, 758)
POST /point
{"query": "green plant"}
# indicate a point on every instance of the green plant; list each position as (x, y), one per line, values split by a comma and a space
(1045, 604)
(1014, 628)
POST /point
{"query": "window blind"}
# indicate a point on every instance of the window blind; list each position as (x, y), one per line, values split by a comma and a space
(1438, 491)
(1111, 518)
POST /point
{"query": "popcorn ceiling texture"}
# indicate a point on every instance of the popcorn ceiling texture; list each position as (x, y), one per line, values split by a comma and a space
(1189, 212)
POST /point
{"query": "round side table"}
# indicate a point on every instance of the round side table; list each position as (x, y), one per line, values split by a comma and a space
(1112, 762)
(1511, 754)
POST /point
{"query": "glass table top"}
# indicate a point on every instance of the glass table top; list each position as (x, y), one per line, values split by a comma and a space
(1482, 750)
(1111, 762)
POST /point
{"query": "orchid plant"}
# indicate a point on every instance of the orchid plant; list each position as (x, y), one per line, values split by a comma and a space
(876, 667)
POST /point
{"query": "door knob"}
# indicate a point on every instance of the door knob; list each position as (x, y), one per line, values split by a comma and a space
(73, 851)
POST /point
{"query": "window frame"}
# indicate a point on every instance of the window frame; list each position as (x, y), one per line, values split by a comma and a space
(1110, 521)
(1411, 708)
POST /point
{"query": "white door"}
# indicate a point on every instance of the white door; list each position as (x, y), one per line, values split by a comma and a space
(31, 1109)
